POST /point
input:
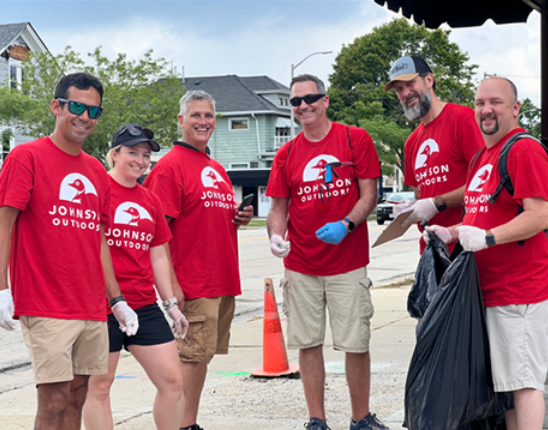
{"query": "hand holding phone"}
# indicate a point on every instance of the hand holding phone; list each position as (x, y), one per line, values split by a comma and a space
(246, 202)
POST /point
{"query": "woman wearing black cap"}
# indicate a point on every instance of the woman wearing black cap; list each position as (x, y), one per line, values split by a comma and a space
(137, 237)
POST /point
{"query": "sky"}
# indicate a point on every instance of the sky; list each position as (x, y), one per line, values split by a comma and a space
(247, 38)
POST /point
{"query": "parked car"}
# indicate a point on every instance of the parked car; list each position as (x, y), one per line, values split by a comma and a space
(385, 210)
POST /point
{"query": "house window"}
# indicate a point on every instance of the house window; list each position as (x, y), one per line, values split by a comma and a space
(253, 164)
(239, 165)
(16, 75)
(235, 124)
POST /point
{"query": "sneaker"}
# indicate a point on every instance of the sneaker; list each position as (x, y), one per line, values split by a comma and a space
(192, 427)
(316, 424)
(370, 422)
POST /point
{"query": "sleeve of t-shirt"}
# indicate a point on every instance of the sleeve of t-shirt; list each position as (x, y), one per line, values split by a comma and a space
(527, 166)
(162, 233)
(408, 173)
(366, 160)
(469, 138)
(277, 183)
(16, 180)
(106, 215)
(168, 190)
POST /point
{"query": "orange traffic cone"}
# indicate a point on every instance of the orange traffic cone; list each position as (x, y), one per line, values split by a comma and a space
(274, 353)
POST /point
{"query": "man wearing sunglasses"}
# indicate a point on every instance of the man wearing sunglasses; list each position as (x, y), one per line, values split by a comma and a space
(323, 187)
(438, 152)
(54, 199)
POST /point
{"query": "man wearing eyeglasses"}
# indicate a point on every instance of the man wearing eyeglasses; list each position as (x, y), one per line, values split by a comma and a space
(438, 152)
(54, 199)
(323, 187)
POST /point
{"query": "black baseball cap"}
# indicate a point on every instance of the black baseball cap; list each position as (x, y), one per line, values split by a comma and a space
(407, 69)
(133, 134)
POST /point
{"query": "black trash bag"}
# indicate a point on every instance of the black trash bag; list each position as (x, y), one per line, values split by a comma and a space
(432, 265)
(449, 385)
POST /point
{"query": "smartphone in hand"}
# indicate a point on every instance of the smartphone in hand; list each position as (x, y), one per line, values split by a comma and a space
(246, 202)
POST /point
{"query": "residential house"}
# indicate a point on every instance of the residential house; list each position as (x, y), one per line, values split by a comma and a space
(253, 122)
(16, 41)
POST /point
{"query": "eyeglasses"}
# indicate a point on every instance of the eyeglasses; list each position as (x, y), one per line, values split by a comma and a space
(77, 108)
(308, 99)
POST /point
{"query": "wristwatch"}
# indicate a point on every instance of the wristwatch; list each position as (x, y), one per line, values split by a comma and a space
(115, 300)
(489, 238)
(349, 224)
(440, 204)
(167, 304)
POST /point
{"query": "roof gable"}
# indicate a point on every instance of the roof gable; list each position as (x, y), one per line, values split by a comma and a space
(23, 31)
(233, 93)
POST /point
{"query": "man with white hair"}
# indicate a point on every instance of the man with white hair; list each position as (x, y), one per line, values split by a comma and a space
(200, 206)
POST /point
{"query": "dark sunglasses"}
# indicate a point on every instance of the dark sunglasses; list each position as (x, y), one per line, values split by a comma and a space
(135, 131)
(77, 108)
(308, 99)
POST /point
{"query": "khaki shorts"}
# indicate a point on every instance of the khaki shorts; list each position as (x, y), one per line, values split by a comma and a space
(60, 349)
(209, 328)
(346, 296)
(518, 338)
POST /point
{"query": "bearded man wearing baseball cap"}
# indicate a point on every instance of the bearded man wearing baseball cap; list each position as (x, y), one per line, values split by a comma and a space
(438, 152)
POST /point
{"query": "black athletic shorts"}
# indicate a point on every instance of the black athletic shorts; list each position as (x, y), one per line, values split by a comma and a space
(153, 329)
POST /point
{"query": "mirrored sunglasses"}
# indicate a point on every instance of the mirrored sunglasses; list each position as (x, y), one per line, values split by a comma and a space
(308, 99)
(77, 108)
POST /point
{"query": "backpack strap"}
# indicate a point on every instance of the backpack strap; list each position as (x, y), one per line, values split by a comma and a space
(502, 164)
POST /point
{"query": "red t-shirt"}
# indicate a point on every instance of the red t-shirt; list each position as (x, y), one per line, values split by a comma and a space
(55, 265)
(509, 273)
(138, 224)
(299, 176)
(437, 156)
(196, 192)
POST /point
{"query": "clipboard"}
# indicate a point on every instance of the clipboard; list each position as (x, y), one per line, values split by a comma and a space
(393, 230)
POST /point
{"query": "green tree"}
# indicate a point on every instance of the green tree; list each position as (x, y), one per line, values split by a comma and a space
(361, 70)
(143, 91)
(529, 117)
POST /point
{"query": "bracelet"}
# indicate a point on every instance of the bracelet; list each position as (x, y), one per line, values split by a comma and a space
(168, 304)
(115, 300)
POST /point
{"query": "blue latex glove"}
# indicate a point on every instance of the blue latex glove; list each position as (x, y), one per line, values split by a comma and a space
(332, 232)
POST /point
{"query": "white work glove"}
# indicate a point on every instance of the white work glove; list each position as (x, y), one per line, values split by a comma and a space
(472, 238)
(6, 311)
(180, 323)
(279, 247)
(423, 209)
(440, 231)
(126, 317)
(404, 206)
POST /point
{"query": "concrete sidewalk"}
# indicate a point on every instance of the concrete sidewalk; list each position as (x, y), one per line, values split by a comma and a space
(232, 399)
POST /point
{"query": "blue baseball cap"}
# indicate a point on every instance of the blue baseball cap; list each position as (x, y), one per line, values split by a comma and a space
(407, 69)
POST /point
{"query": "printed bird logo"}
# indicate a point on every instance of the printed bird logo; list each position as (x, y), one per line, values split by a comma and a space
(135, 217)
(78, 185)
(321, 166)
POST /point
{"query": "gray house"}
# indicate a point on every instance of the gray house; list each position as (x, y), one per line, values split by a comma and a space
(16, 41)
(253, 122)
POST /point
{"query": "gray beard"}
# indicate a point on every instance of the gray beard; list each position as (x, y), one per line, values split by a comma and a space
(420, 109)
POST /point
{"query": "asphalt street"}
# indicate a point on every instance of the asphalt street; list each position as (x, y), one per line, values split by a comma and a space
(390, 262)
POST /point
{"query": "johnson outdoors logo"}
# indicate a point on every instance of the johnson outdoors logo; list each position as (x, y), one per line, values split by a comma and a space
(211, 178)
(480, 178)
(427, 148)
(315, 168)
(130, 213)
(74, 186)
